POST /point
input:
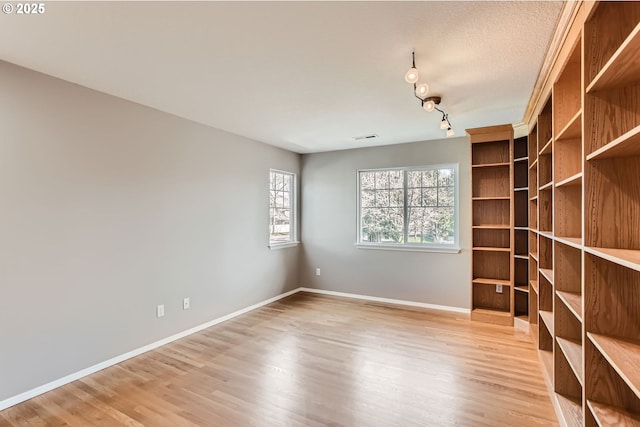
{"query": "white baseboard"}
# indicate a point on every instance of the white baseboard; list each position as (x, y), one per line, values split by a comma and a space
(4, 404)
(388, 300)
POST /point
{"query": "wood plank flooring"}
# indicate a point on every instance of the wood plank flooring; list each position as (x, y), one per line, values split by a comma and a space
(315, 360)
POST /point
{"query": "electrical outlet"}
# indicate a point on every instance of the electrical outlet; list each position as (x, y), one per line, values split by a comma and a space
(499, 289)
(160, 310)
(317, 271)
(186, 304)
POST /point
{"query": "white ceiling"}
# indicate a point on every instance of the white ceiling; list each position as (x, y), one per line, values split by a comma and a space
(306, 76)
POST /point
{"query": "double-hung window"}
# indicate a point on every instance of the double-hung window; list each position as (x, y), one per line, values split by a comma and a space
(282, 209)
(409, 208)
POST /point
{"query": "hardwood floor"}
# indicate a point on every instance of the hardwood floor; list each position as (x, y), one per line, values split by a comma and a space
(314, 360)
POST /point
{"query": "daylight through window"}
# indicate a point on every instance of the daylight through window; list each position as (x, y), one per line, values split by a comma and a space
(281, 208)
(409, 206)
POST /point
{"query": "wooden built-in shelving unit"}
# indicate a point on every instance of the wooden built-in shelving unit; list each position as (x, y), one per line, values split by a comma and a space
(492, 199)
(584, 217)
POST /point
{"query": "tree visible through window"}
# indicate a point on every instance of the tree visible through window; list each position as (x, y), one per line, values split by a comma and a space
(408, 206)
(281, 207)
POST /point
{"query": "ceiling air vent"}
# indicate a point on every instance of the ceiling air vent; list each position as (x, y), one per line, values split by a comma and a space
(360, 138)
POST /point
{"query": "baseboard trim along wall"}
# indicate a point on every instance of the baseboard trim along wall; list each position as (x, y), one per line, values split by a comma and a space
(114, 361)
(4, 404)
(388, 300)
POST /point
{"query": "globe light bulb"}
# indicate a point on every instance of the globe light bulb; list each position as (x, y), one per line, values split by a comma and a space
(412, 75)
(444, 124)
(429, 106)
(450, 132)
(422, 90)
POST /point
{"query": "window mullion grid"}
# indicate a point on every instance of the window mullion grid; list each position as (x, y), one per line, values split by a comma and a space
(406, 207)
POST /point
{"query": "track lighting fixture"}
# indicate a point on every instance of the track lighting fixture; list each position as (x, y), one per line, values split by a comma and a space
(428, 103)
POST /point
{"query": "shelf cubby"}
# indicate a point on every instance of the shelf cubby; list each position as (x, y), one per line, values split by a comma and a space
(573, 301)
(612, 203)
(491, 182)
(533, 144)
(521, 272)
(545, 210)
(533, 214)
(520, 207)
(491, 213)
(490, 153)
(605, 415)
(567, 280)
(566, 383)
(567, 94)
(545, 295)
(486, 297)
(611, 59)
(572, 351)
(568, 332)
(545, 170)
(545, 251)
(492, 238)
(521, 243)
(604, 383)
(567, 207)
(545, 337)
(491, 264)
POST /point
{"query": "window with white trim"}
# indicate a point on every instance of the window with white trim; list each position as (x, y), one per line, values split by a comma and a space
(409, 207)
(282, 203)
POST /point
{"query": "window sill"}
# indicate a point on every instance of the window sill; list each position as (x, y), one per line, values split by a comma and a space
(382, 247)
(283, 245)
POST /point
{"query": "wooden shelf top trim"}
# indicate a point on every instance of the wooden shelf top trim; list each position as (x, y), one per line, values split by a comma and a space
(572, 180)
(622, 68)
(521, 159)
(573, 302)
(629, 258)
(547, 318)
(548, 274)
(491, 227)
(492, 198)
(487, 281)
(625, 145)
(522, 288)
(547, 186)
(521, 189)
(534, 285)
(547, 147)
(573, 353)
(521, 228)
(574, 242)
(623, 356)
(490, 165)
(606, 415)
(571, 411)
(573, 129)
(519, 256)
(491, 249)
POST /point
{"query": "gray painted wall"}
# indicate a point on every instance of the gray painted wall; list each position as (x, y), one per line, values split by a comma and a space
(109, 208)
(329, 213)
